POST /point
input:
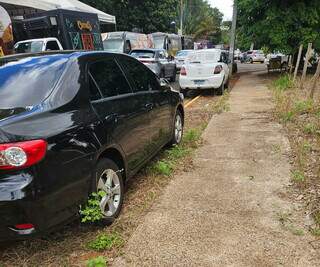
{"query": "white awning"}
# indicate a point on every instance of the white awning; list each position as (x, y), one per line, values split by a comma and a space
(62, 4)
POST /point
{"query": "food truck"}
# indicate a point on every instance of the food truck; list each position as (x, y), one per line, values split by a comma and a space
(124, 42)
(6, 36)
(75, 30)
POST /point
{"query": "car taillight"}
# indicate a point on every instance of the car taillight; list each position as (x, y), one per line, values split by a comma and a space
(21, 154)
(183, 71)
(218, 69)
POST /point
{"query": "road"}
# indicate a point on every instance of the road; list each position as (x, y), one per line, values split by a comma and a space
(234, 208)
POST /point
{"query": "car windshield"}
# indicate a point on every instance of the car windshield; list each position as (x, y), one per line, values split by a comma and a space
(26, 82)
(142, 54)
(113, 45)
(203, 57)
(28, 47)
(158, 42)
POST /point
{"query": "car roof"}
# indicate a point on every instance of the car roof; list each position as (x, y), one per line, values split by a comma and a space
(62, 53)
(38, 39)
(148, 49)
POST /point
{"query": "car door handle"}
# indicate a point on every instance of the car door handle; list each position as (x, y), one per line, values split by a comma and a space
(148, 106)
(111, 118)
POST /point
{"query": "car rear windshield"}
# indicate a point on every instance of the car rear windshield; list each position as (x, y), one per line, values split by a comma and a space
(183, 53)
(203, 57)
(142, 54)
(29, 47)
(25, 82)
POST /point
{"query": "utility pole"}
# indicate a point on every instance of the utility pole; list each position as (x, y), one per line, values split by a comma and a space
(233, 35)
(181, 17)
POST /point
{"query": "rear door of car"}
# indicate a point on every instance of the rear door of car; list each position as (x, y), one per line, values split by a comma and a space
(124, 114)
(157, 102)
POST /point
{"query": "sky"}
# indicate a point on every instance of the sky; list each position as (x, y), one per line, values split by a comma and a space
(225, 6)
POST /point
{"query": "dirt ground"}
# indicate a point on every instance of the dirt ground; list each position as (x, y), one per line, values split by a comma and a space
(235, 207)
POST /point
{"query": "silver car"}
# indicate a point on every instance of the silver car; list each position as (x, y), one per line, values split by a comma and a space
(181, 57)
(158, 61)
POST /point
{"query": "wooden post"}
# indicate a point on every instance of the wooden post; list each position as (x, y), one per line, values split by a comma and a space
(298, 62)
(315, 79)
(305, 67)
(290, 64)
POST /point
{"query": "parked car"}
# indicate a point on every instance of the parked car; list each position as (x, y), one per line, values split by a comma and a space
(180, 58)
(205, 69)
(37, 45)
(75, 123)
(255, 56)
(158, 61)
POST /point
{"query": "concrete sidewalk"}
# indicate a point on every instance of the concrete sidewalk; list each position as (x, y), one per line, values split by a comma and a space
(227, 211)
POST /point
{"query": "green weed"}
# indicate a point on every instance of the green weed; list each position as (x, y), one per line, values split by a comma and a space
(310, 128)
(298, 176)
(97, 262)
(304, 106)
(91, 212)
(162, 167)
(106, 242)
(287, 116)
(315, 232)
(192, 135)
(283, 83)
(295, 231)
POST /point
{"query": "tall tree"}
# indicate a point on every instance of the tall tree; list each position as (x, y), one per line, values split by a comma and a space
(202, 21)
(146, 15)
(278, 24)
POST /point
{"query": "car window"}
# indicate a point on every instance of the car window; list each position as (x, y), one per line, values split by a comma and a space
(94, 92)
(141, 76)
(109, 78)
(52, 45)
(28, 81)
(142, 54)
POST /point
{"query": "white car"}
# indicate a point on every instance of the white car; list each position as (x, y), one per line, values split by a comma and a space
(205, 69)
(255, 56)
(38, 45)
(181, 57)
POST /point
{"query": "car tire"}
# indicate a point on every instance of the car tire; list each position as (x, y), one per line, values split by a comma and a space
(220, 90)
(226, 85)
(173, 78)
(109, 179)
(251, 61)
(177, 132)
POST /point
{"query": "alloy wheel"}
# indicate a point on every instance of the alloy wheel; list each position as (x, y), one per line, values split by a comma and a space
(109, 183)
(178, 128)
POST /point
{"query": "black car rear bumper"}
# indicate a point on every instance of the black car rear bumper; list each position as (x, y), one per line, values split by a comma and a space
(16, 204)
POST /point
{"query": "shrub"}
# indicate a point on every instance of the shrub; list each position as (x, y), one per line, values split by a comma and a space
(97, 262)
(106, 241)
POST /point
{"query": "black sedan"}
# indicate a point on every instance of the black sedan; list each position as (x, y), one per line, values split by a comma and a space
(73, 123)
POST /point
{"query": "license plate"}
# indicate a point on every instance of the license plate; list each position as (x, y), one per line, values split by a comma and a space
(199, 82)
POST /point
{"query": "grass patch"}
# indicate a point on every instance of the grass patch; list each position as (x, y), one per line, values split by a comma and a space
(298, 176)
(310, 128)
(221, 105)
(106, 242)
(315, 232)
(97, 262)
(295, 231)
(285, 82)
(172, 157)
